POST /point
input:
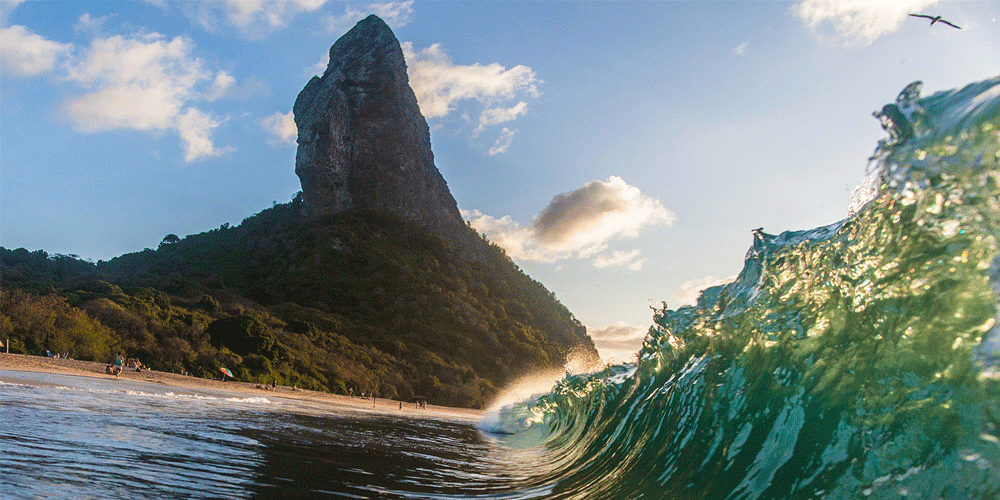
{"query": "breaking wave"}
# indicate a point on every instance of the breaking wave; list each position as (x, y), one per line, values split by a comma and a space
(854, 360)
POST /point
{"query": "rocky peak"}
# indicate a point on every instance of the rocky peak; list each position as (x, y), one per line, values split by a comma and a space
(363, 143)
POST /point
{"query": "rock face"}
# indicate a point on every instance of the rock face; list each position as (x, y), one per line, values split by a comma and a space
(363, 143)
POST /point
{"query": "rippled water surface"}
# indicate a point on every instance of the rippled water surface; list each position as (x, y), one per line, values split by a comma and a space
(77, 437)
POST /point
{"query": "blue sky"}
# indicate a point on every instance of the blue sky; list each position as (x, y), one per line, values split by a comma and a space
(620, 151)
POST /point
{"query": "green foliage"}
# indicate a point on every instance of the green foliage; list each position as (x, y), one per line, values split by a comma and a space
(241, 334)
(37, 323)
(362, 301)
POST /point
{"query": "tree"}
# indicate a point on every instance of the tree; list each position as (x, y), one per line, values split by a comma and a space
(243, 335)
(169, 240)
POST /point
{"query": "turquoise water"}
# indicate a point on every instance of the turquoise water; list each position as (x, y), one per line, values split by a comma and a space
(858, 360)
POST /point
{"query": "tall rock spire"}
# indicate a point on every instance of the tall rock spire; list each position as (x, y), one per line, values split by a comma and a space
(363, 143)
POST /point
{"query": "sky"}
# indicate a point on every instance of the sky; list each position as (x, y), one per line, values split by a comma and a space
(620, 152)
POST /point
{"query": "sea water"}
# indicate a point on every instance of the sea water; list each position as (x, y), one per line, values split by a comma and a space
(77, 437)
(856, 360)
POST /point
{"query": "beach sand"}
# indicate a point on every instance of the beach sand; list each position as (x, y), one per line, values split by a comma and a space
(24, 363)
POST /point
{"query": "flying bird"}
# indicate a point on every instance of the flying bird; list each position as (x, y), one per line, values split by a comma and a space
(935, 19)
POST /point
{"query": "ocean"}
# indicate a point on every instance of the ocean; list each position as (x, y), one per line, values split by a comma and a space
(855, 360)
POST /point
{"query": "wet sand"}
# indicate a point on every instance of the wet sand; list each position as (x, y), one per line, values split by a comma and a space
(24, 363)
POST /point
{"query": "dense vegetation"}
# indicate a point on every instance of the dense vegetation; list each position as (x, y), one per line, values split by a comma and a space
(362, 301)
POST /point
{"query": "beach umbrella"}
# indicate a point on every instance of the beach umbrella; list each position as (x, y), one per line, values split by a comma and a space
(226, 372)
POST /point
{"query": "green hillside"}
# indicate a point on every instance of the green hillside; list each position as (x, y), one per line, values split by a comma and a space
(363, 301)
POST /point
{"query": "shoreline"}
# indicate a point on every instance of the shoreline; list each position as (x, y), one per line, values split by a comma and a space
(336, 402)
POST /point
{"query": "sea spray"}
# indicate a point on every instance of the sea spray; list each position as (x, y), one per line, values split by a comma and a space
(853, 360)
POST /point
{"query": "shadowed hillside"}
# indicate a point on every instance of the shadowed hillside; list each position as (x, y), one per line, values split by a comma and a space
(356, 300)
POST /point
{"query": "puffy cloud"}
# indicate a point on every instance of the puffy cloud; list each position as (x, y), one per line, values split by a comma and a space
(580, 223)
(395, 14)
(146, 82)
(24, 53)
(588, 217)
(223, 85)
(195, 127)
(741, 49)
(689, 291)
(618, 342)
(281, 127)
(858, 21)
(440, 84)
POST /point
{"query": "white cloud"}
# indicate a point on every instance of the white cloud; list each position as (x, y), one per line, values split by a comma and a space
(195, 127)
(320, 67)
(90, 24)
(740, 49)
(6, 7)
(503, 142)
(281, 127)
(496, 116)
(24, 53)
(254, 18)
(689, 291)
(617, 258)
(579, 224)
(223, 84)
(618, 342)
(857, 22)
(395, 14)
(440, 84)
(146, 82)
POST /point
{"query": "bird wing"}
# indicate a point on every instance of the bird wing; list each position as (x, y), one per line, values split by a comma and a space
(949, 24)
(923, 15)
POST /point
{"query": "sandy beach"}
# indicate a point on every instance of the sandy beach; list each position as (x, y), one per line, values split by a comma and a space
(25, 363)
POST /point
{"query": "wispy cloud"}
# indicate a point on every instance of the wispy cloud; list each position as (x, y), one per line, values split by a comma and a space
(579, 224)
(740, 49)
(395, 14)
(6, 7)
(143, 82)
(253, 18)
(856, 22)
(441, 85)
(618, 258)
(503, 142)
(281, 128)
(618, 342)
(687, 294)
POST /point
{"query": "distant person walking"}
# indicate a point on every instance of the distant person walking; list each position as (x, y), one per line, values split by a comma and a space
(119, 365)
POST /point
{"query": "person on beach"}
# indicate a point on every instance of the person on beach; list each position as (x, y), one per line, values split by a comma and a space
(119, 363)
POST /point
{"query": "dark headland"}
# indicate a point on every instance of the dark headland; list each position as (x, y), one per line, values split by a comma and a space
(367, 281)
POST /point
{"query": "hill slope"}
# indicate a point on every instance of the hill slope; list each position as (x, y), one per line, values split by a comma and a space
(356, 300)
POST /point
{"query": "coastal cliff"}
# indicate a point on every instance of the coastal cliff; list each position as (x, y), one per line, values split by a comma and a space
(363, 143)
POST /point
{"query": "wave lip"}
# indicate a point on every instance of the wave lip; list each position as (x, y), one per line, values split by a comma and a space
(858, 359)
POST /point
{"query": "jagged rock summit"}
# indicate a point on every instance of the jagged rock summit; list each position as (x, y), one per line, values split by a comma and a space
(363, 143)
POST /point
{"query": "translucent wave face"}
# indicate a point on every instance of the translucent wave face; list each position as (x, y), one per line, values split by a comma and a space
(857, 359)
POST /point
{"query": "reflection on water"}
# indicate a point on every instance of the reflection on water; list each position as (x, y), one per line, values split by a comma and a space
(74, 437)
